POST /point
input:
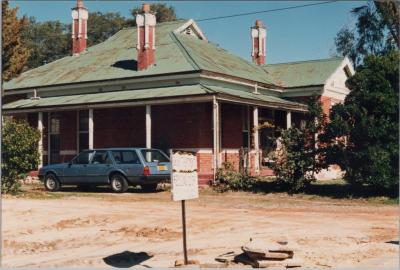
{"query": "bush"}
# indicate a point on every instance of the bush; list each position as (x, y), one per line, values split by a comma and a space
(297, 160)
(229, 179)
(19, 153)
(294, 160)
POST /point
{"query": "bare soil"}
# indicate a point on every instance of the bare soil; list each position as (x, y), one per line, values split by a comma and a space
(100, 229)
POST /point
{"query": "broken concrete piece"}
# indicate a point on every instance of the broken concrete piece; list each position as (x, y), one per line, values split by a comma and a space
(190, 263)
(266, 255)
(243, 258)
(226, 257)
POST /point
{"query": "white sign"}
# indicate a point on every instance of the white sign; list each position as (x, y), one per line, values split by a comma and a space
(184, 179)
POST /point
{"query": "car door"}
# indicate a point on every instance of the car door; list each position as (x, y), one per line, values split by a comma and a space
(129, 162)
(98, 168)
(75, 173)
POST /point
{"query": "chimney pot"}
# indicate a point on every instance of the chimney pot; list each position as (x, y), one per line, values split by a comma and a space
(146, 8)
(79, 4)
(258, 40)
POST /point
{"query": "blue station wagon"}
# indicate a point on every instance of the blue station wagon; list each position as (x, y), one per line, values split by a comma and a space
(117, 167)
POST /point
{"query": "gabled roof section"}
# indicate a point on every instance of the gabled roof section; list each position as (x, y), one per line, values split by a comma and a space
(191, 28)
(112, 59)
(304, 73)
(210, 57)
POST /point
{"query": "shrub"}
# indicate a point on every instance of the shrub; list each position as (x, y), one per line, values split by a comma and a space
(19, 153)
(296, 160)
(229, 179)
(293, 160)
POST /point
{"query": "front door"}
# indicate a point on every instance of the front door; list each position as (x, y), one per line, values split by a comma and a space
(76, 171)
(97, 170)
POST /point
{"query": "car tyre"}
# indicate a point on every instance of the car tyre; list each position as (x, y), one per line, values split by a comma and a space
(149, 187)
(51, 182)
(118, 183)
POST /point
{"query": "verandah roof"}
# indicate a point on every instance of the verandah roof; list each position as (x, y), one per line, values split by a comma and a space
(116, 97)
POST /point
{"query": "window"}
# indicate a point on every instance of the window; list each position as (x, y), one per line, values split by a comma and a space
(154, 156)
(83, 158)
(126, 157)
(83, 131)
(101, 157)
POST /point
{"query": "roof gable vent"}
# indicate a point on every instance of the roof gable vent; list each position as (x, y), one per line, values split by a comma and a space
(190, 28)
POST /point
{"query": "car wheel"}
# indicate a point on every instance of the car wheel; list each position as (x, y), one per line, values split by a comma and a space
(119, 183)
(51, 182)
(149, 187)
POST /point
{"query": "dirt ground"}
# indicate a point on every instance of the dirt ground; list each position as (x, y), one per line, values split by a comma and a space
(135, 229)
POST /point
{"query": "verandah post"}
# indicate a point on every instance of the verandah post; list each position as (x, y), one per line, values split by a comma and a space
(40, 144)
(148, 126)
(216, 135)
(288, 119)
(256, 140)
(91, 128)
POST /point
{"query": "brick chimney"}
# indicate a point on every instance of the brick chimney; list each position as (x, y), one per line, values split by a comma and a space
(146, 37)
(258, 37)
(79, 27)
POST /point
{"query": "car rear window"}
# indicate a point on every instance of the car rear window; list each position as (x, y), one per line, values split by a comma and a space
(154, 156)
(126, 157)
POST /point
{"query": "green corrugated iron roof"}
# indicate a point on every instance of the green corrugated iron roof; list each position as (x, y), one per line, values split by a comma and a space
(115, 96)
(140, 95)
(112, 59)
(116, 58)
(304, 73)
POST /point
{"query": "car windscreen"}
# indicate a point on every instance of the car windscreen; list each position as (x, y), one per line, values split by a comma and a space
(151, 155)
(125, 157)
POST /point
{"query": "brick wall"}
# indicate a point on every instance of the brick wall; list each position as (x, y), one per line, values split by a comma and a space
(231, 125)
(182, 126)
(119, 127)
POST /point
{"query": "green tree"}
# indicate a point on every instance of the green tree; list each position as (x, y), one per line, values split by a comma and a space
(164, 13)
(48, 41)
(101, 26)
(19, 153)
(362, 136)
(14, 52)
(297, 161)
(376, 31)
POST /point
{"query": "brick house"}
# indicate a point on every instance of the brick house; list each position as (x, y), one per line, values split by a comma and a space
(164, 85)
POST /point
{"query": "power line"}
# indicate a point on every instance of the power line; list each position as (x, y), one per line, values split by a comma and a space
(264, 11)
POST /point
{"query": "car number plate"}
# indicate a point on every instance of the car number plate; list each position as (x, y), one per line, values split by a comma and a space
(162, 168)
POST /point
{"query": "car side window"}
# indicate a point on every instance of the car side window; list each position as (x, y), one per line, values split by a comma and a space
(126, 157)
(83, 158)
(101, 157)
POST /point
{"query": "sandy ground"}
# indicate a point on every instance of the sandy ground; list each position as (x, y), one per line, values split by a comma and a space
(101, 229)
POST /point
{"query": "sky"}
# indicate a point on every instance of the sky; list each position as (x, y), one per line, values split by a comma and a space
(292, 35)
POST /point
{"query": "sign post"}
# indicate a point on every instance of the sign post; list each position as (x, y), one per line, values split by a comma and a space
(185, 185)
(184, 232)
